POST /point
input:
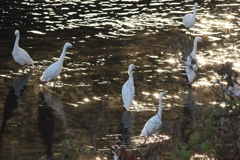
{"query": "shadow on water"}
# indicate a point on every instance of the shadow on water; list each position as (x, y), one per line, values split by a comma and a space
(50, 106)
(45, 124)
(111, 35)
(128, 119)
(127, 128)
(13, 100)
(189, 115)
(53, 100)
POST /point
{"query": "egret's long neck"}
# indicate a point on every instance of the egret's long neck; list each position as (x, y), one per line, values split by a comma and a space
(16, 45)
(195, 12)
(194, 51)
(160, 106)
(61, 59)
(131, 77)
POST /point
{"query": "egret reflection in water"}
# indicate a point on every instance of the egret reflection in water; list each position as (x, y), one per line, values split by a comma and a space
(189, 114)
(19, 85)
(13, 100)
(46, 121)
(54, 101)
(113, 34)
(128, 119)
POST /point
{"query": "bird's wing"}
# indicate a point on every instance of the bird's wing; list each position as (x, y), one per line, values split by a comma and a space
(127, 94)
(52, 71)
(235, 89)
(194, 68)
(185, 18)
(24, 56)
(152, 125)
(188, 61)
(191, 63)
(191, 68)
(188, 20)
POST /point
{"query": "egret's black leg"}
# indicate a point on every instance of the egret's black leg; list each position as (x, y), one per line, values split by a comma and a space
(55, 80)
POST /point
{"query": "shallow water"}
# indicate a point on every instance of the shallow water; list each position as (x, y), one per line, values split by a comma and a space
(85, 107)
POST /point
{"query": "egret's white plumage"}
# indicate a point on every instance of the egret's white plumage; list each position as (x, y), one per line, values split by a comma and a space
(154, 123)
(232, 91)
(128, 89)
(56, 68)
(19, 54)
(191, 62)
(115, 156)
(190, 19)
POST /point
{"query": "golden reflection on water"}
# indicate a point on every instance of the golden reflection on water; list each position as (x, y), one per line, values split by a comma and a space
(199, 156)
(110, 37)
(139, 140)
(203, 82)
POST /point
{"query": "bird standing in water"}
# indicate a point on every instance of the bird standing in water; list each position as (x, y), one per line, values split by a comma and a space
(56, 68)
(190, 19)
(232, 91)
(19, 54)
(191, 62)
(154, 123)
(128, 89)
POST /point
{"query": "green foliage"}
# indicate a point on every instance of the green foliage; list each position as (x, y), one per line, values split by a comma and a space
(56, 154)
(75, 151)
(182, 152)
(43, 158)
(207, 146)
(209, 133)
(193, 139)
(208, 122)
(191, 129)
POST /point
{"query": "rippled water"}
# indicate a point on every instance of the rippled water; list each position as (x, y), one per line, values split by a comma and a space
(86, 106)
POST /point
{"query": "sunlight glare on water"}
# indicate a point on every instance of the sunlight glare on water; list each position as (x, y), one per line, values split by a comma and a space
(110, 35)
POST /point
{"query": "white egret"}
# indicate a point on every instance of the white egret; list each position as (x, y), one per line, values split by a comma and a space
(191, 62)
(154, 123)
(115, 156)
(232, 91)
(19, 54)
(128, 89)
(190, 19)
(56, 68)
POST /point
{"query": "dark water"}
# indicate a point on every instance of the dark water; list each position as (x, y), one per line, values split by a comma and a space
(86, 108)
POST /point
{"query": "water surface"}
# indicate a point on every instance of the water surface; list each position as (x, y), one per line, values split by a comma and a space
(86, 108)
